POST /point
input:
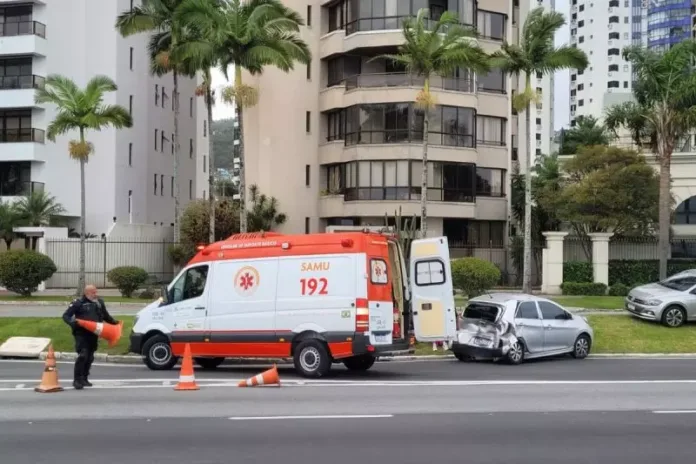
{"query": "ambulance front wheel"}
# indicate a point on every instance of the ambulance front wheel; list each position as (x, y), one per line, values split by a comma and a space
(312, 359)
(157, 353)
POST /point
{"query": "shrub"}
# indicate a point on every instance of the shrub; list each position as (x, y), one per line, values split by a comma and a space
(150, 293)
(618, 289)
(643, 271)
(578, 271)
(474, 276)
(21, 271)
(584, 288)
(127, 279)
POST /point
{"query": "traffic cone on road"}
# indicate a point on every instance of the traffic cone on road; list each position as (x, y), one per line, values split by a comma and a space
(187, 381)
(269, 377)
(49, 379)
(109, 332)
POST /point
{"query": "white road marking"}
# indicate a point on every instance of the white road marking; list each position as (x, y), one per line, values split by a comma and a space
(21, 385)
(361, 416)
(686, 411)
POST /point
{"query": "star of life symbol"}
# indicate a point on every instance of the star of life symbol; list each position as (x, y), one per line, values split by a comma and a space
(246, 281)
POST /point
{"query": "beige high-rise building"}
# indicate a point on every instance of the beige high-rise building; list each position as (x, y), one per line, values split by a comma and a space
(340, 142)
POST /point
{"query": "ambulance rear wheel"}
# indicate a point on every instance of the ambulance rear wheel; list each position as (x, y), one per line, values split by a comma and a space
(209, 363)
(360, 363)
(157, 353)
(312, 359)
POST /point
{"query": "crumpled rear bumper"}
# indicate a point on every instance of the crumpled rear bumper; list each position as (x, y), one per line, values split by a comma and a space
(498, 349)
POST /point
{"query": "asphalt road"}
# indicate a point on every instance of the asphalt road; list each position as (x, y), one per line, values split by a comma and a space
(404, 439)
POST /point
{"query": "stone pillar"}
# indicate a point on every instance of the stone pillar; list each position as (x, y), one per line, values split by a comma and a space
(600, 256)
(41, 248)
(552, 265)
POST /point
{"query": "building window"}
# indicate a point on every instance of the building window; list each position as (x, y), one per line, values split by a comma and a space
(613, 52)
(156, 138)
(307, 174)
(130, 105)
(156, 94)
(162, 184)
(130, 201)
(205, 161)
(491, 130)
(190, 148)
(613, 67)
(309, 15)
(155, 191)
(309, 71)
(190, 189)
(613, 84)
(467, 233)
(625, 84)
(164, 95)
(162, 140)
(490, 182)
(306, 225)
(337, 124)
(173, 144)
(191, 107)
(613, 19)
(491, 25)
(205, 128)
(172, 186)
(130, 154)
(131, 59)
(308, 121)
(614, 36)
(493, 82)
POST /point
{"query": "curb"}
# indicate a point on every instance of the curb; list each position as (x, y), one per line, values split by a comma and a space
(65, 303)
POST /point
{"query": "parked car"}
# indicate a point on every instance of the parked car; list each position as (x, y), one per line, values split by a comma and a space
(671, 301)
(515, 327)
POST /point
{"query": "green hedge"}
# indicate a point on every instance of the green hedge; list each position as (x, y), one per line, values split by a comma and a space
(630, 272)
(577, 271)
(584, 288)
(618, 290)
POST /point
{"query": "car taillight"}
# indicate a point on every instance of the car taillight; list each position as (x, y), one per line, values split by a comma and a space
(362, 316)
(396, 324)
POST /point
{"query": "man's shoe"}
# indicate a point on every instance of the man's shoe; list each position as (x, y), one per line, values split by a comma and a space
(86, 382)
(77, 384)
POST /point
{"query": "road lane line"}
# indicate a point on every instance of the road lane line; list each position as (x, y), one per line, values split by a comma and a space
(20, 385)
(358, 416)
(685, 411)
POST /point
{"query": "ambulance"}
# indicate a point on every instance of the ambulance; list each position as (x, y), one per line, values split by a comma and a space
(319, 299)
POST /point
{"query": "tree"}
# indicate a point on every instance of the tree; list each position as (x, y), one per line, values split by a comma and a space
(663, 111)
(535, 54)
(263, 214)
(168, 32)
(10, 217)
(195, 223)
(81, 110)
(437, 50)
(249, 35)
(206, 91)
(38, 209)
(588, 131)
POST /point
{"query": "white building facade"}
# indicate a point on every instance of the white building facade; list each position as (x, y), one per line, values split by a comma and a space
(130, 175)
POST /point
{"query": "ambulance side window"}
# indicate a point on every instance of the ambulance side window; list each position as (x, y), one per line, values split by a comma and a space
(430, 272)
(190, 285)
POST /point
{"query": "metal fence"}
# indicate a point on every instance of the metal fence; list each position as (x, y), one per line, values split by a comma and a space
(629, 248)
(102, 255)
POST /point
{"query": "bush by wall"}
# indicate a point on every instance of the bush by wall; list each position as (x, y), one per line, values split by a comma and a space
(127, 279)
(474, 276)
(21, 271)
(584, 288)
(618, 289)
(577, 271)
(644, 271)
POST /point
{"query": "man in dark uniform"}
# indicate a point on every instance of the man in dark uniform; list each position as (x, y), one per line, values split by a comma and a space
(90, 308)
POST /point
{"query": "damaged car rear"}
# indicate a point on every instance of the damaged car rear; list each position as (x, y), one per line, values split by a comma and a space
(514, 327)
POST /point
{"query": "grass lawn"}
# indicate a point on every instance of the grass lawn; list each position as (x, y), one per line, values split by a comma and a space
(59, 332)
(589, 302)
(68, 299)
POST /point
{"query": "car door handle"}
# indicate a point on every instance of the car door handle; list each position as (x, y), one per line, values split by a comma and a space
(199, 307)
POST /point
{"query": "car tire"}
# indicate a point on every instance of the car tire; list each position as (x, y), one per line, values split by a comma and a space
(463, 358)
(157, 354)
(312, 359)
(673, 317)
(209, 363)
(581, 347)
(360, 363)
(516, 354)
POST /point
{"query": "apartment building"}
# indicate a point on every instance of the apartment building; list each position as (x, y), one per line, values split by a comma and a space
(340, 142)
(130, 175)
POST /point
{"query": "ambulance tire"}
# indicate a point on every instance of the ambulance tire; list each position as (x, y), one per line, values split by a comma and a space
(209, 363)
(312, 358)
(360, 363)
(157, 353)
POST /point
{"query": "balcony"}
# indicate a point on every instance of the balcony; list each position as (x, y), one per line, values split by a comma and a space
(335, 206)
(19, 91)
(22, 145)
(23, 38)
(22, 136)
(19, 188)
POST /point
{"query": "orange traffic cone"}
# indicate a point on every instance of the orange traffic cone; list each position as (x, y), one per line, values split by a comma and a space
(109, 332)
(187, 381)
(49, 379)
(269, 377)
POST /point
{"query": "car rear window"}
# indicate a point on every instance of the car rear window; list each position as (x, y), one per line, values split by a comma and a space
(481, 311)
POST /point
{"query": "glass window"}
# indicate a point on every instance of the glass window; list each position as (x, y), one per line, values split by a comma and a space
(190, 285)
(485, 312)
(430, 272)
(490, 182)
(493, 82)
(527, 310)
(491, 25)
(491, 130)
(551, 311)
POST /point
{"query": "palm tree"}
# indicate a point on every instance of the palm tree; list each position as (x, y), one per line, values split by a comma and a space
(160, 18)
(429, 50)
(263, 214)
(10, 217)
(206, 91)
(663, 111)
(535, 54)
(587, 131)
(248, 35)
(81, 110)
(37, 209)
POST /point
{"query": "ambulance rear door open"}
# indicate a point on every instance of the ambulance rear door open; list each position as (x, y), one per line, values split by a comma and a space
(432, 295)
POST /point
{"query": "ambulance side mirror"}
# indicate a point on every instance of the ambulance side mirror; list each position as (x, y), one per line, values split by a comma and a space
(164, 296)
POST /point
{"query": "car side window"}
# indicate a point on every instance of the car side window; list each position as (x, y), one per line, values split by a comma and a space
(551, 311)
(190, 285)
(527, 310)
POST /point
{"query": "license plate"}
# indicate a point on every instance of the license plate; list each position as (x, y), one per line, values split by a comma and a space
(481, 341)
(382, 338)
(631, 307)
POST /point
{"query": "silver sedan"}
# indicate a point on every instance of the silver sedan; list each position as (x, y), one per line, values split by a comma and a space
(515, 327)
(671, 301)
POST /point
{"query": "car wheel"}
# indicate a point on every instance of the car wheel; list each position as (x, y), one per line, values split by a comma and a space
(312, 359)
(582, 346)
(209, 363)
(157, 353)
(516, 354)
(463, 358)
(359, 363)
(673, 316)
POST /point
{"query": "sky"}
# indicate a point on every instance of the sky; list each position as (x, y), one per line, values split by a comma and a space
(561, 87)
